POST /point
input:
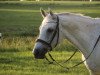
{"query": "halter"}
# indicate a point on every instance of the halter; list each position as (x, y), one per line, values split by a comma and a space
(53, 36)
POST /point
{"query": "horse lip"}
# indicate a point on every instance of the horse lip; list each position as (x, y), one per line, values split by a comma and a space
(39, 57)
(38, 54)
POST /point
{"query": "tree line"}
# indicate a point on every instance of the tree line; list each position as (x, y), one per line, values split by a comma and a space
(49, 0)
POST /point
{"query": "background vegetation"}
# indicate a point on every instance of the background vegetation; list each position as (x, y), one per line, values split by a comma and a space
(48, 0)
(19, 22)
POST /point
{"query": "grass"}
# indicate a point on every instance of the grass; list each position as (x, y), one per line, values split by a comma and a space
(19, 22)
(16, 58)
(24, 17)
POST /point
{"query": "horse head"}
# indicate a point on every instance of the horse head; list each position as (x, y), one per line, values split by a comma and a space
(48, 35)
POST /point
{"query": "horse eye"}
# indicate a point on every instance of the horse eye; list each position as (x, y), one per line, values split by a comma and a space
(49, 30)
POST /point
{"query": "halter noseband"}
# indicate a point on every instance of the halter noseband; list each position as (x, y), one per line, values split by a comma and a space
(53, 36)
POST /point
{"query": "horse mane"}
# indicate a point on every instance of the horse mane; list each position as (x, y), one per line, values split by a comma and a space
(68, 13)
(74, 14)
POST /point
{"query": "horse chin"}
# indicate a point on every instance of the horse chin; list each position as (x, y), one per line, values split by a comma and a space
(40, 57)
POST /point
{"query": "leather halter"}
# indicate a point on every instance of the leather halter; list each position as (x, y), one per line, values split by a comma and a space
(56, 31)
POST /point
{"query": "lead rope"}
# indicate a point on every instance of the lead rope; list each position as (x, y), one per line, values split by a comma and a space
(53, 60)
(65, 60)
(67, 68)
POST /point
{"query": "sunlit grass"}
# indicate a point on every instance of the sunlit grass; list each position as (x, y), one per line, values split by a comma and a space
(16, 57)
(16, 44)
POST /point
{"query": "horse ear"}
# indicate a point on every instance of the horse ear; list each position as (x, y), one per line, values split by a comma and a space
(43, 13)
(50, 12)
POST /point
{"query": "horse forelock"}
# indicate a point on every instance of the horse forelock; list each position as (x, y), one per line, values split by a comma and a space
(48, 19)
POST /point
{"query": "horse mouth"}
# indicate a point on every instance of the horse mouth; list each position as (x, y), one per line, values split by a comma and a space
(39, 56)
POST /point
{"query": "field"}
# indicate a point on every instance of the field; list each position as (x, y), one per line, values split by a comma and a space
(19, 22)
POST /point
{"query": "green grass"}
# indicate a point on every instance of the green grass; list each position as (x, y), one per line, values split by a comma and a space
(16, 58)
(23, 18)
(19, 22)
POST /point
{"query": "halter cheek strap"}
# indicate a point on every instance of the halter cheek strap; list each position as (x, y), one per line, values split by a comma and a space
(44, 42)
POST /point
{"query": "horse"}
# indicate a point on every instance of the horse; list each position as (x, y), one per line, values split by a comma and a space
(82, 31)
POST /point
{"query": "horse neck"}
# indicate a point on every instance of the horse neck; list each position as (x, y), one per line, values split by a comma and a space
(79, 30)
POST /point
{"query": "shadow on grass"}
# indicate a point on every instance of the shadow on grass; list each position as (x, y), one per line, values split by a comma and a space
(16, 61)
(9, 50)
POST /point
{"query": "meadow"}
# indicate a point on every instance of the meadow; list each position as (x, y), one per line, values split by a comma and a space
(19, 22)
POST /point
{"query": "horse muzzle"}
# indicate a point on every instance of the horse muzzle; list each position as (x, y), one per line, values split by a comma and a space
(40, 49)
(39, 53)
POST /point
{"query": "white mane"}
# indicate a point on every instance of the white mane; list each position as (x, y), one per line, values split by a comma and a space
(76, 14)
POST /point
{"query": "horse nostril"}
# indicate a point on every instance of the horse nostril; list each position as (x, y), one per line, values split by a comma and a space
(36, 52)
(39, 53)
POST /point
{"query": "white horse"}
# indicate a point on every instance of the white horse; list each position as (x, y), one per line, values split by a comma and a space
(81, 30)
